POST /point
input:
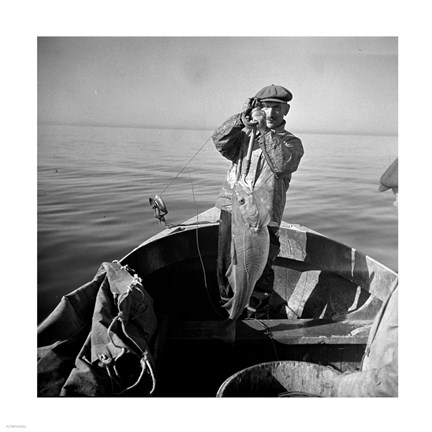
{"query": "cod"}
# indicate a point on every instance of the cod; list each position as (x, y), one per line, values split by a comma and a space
(249, 247)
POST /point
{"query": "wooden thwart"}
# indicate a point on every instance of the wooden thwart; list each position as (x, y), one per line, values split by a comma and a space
(295, 332)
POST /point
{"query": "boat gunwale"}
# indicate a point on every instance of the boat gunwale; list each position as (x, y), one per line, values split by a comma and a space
(210, 217)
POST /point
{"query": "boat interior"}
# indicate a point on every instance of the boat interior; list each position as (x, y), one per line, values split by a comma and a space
(325, 298)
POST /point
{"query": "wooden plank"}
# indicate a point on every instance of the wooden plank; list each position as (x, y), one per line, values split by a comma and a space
(288, 332)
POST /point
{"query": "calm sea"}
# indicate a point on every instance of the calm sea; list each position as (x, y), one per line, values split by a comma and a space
(94, 184)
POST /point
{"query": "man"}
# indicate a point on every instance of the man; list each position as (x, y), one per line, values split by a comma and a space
(276, 154)
(379, 371)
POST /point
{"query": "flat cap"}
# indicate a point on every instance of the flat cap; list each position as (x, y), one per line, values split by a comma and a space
(389, 180)
(274, 93)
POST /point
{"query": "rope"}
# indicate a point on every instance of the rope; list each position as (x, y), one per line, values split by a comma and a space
(106, 362)
(119, 317)
(145, 364)
(153, 377)
(144, 361)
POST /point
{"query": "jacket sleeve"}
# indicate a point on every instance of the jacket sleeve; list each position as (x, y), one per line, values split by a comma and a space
(228, 137)
(283, 157)
(381, 379)
(380, 382)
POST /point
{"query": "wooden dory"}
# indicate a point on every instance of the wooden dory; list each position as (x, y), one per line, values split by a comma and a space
(326, 297)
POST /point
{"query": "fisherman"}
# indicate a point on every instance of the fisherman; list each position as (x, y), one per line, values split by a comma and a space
(379, 371)
(276, 154)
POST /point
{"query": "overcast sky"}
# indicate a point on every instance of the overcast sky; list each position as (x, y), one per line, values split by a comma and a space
(340, 85)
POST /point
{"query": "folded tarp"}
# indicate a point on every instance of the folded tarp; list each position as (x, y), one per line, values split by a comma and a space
(97, 340)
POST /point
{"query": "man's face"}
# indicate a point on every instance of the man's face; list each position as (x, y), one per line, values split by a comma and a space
(275, 113)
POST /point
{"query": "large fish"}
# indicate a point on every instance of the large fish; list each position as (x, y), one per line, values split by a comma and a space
(249, 247)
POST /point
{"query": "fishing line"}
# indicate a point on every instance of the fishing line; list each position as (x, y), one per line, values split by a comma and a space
(160, 210)
(196, 234)
(200, 256)
(268, 333)
(158, 204)
(190, 160)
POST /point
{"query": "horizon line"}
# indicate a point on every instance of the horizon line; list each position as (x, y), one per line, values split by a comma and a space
(132, 126)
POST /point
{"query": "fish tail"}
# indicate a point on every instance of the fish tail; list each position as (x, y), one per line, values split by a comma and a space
(233, 310)
(229, 304)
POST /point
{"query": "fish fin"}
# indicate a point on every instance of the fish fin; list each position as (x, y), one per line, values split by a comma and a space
(264, 217)
(233, 253)
(230, 275)
(228, 304)
(229, 272)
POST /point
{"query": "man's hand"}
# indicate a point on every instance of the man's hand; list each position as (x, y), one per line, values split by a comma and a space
(258, 117)
(254, 118)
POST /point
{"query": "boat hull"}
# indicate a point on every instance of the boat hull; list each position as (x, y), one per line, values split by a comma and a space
(326, 295)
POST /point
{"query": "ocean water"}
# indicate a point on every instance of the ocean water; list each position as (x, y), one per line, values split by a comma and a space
(94, 184)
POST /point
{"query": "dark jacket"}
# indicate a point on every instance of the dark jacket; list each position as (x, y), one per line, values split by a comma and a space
(275, 156)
